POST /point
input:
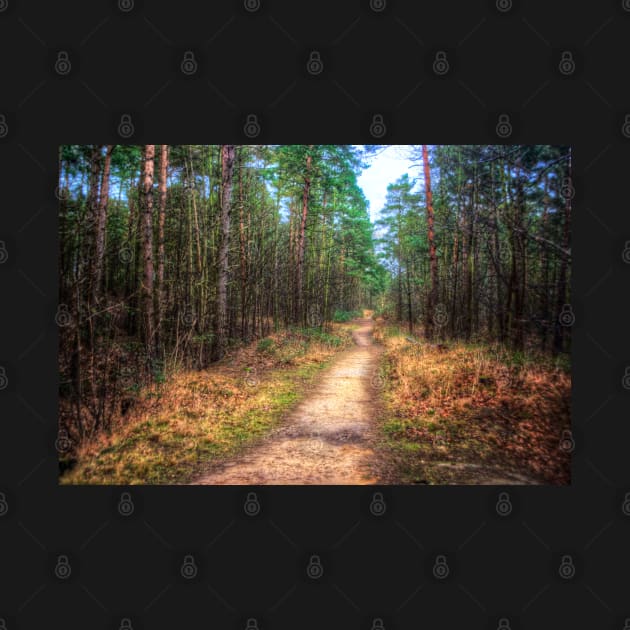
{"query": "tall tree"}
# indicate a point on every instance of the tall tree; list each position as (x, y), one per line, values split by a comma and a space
(162, 193)
(300, 311)
(221, 321)
(99, 227)
(432, 301)
(147, 247)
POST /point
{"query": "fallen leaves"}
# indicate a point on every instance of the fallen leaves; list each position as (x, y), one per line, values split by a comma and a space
(473, 402)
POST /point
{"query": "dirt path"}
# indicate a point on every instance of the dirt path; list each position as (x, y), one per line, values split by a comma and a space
(327, 438)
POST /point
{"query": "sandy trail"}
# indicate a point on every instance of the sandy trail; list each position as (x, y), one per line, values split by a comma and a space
(327, 438)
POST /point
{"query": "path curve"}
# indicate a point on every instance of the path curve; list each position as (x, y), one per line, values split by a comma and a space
(327, 438)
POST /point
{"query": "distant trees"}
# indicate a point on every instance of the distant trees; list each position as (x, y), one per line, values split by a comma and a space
(485, 254)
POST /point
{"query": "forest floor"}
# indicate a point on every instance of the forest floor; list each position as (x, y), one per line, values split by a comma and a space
(177, 428)
(364, 403)
(458, 413)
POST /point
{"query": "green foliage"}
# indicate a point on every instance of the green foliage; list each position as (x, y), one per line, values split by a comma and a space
(345, 316)
(265, 345)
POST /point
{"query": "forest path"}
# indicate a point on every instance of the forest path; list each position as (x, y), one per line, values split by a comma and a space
(327, 438)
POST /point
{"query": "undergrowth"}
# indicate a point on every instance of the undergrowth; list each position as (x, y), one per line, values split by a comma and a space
(473, 413)
(178, 426)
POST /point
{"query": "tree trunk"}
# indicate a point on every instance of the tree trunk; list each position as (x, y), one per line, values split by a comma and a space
(161, 219)
(300, 313)
(432, 301)
(558, 341)
(241, 232)
(147, 224)
(221, 318)
(92, 215)
(100, 227)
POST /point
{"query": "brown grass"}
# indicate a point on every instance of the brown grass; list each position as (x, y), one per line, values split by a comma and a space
(458, 413)
(195, 417)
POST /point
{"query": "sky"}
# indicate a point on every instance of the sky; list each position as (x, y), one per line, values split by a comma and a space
(385, 168)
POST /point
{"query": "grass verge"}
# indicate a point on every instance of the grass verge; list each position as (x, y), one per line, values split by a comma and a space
(460, 413)
(199, 417)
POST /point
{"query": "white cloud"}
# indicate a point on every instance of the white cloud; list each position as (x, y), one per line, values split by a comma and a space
(385, 168)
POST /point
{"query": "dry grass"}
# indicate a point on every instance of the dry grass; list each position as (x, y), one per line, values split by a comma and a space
(177, 427)
(460, 413)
